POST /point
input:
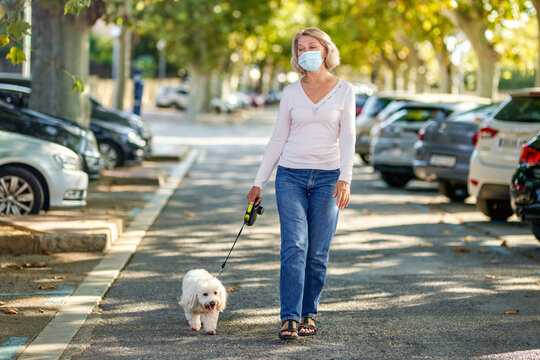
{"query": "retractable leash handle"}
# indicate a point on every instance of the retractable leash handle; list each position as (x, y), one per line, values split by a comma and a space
(249, 219)
(252, 212)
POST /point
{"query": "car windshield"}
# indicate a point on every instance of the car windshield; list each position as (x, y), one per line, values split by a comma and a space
(416, 115)
(520, 109)
(474, 115)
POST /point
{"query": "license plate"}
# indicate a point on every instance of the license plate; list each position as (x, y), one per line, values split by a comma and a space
(442, 160)
(513, 142)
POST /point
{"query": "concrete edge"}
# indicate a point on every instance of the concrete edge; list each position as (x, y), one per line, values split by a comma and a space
(57, 334)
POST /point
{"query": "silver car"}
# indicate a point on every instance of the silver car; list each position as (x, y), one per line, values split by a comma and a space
(38, 175)
(444, 148)
(392, 149)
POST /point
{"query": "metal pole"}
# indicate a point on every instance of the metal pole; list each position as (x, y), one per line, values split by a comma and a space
(27, 42)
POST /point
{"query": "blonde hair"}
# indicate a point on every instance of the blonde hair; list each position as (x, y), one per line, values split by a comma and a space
(332, 53)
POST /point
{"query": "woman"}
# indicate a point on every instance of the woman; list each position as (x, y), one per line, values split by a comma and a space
(313, 144)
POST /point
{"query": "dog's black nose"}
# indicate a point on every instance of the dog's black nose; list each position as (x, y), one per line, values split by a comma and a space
(212, 303)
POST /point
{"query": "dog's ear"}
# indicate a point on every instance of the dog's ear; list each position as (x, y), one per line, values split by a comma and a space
(222, 299)
(188, 301)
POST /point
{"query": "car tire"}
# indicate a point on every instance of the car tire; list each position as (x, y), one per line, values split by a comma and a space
(455, 192)
(111, 154)
(21, 192)
(395, 180)
(535, 227)
(499, 210)
(365, 158)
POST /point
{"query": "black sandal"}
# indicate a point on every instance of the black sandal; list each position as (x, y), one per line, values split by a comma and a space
(289, 329)
(307, 326)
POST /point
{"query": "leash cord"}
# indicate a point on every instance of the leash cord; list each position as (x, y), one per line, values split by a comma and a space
(230, 251)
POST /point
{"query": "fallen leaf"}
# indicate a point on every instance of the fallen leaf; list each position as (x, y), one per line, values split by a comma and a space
(462, 250)
(35, 265)
(46, 287)
(367, 212)
(484, 251)
(189, 213)
(504, 244)
(41, 311)
(231, 288)
(494, 261)
(46, 252)
(447, 232)
(469, 238)
(17, 267)
(11, 311)
(490, 276)
(511, 312)
(59, 277)
(2, 303)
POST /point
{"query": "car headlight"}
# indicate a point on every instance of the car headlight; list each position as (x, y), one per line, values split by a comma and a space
(134, 138)
(68, 162)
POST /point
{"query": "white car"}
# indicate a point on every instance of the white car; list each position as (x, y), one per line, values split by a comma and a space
(38, 175)
(495, 158)
(177, 96)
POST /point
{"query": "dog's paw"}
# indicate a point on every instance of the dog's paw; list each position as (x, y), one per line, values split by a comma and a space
(193, 328)
(211, 332)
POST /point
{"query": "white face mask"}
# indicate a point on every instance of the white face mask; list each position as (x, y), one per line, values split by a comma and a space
(310, 60)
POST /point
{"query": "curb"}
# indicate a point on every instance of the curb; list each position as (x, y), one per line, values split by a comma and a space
(56, 336)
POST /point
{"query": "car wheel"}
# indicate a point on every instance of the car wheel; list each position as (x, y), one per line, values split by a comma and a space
(20, 192)
(365, 158)
(535, 227)
(395, 180)
(111, 155)
(455, 192)
(495, 209)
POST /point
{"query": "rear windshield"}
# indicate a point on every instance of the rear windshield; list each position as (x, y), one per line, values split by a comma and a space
(474, 115)
(521, 109)
(374, 105)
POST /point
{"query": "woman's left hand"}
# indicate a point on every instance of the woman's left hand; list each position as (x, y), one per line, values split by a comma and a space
(343, 193)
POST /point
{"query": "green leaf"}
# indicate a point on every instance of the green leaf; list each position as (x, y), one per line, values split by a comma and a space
(78, 86)
(18, 29)
(4, 40)
(16, 55)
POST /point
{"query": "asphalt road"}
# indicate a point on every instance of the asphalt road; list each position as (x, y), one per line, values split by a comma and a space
(410, 275)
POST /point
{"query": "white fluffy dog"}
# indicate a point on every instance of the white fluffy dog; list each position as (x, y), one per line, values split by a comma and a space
(203, 296)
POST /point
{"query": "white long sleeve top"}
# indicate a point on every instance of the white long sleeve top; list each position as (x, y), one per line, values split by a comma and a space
(312, 136)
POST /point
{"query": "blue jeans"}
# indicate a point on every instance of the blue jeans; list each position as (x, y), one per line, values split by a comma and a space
(308, 215)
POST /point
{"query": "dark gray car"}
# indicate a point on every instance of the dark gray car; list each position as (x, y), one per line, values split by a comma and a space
(444, 148)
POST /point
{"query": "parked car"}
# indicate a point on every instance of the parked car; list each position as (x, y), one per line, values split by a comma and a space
(38, 175)
(377, 102)
(443, 150)
(525, 190)
(497, 151)
(173, 95)
(119, 143)
(392, 151)
(101, 113)
(32, 123)
(360, 100)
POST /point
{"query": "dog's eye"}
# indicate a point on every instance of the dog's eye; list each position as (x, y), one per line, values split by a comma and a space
(205, 294)
(215, 292)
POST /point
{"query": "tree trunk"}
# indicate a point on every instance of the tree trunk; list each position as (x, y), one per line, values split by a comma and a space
(445, 69)
(124, 68)
(474, 29)
(60, 59)
(537, 79)
(198, 94)
(61, 50)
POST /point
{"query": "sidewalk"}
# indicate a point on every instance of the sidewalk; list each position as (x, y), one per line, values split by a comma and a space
(44, 259)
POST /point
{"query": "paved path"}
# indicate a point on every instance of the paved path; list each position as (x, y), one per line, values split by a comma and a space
(409, 277)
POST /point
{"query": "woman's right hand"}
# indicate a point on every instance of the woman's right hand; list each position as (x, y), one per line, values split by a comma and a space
(255, 191)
